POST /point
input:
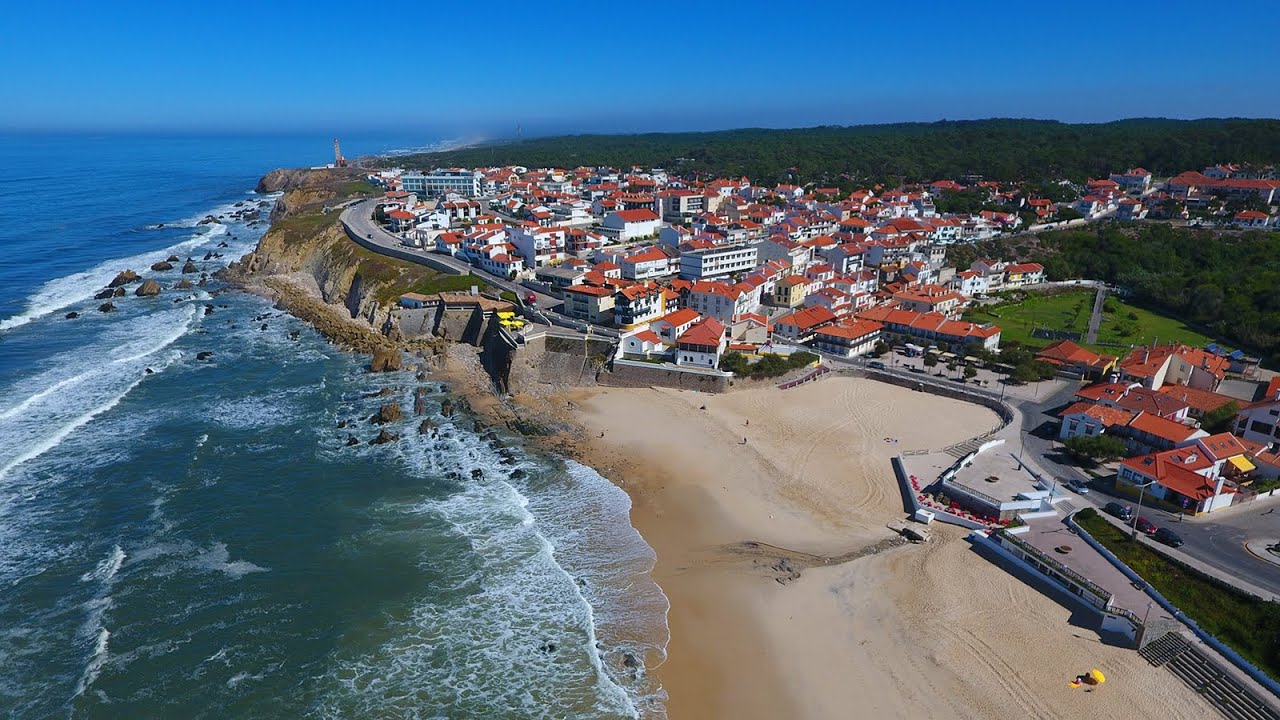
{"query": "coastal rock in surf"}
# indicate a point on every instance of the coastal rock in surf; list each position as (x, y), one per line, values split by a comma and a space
(105, 294)
(518, 473)
(426, 426)
(208, 309)
(386, 414)
(223, 244)
(202, 283)
(477, 473)
(208, 255)
(385, 360)
(342, 424)
(189, 267)
(446, 408)
(148, 288)
(72, 315)
(172, 259)
(124, 278)
(204, 355)
(107, 307)
(183, 284)
(383, 438)
(208, 220)
(420, 401)
(162, 266)
(351, 440)
(119, 292)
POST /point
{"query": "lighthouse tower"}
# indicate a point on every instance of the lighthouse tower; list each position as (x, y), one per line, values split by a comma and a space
(338, 160)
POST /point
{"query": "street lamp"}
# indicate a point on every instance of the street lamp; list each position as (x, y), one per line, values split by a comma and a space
(1142, 489)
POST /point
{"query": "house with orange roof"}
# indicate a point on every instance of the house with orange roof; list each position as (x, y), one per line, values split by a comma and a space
(932, 327)
(638, 305)
(644, 344)
(930, 299)
(723, 301)
(789, 292)
(627, 225)
(1070, 357)
(1185, 477)
(1174, 364)
(799, 326)
(1251, 220)
(671, 326)
(1147, 433)
(1022, 274)
(1085, 419)
(702, 344)
(1200, 402)
(847, 338)
(646, 264)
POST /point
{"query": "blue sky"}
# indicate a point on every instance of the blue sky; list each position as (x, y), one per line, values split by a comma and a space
(472, 68)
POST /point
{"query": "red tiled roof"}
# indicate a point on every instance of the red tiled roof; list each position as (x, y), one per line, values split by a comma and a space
(641, 215)
(1174, 432)
(680, 317)
(707, 331)
(1107, 415)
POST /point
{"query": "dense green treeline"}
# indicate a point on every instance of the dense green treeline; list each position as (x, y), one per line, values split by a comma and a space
(995, 149)
(1227, 283)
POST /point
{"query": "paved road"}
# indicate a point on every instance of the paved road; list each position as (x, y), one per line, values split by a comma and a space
(1216, 539)
(1095, 318)
(359, 218)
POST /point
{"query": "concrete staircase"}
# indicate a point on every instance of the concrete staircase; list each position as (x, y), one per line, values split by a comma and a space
(959, 450)
(1202, 674)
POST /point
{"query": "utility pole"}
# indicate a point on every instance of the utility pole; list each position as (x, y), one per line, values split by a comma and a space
(1142, 489)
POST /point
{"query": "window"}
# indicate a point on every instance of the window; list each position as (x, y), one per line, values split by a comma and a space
(1260, 427)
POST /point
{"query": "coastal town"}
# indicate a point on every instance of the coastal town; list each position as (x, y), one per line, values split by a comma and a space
(718, 278)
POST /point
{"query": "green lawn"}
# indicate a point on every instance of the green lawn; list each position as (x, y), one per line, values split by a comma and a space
(1248, 625)
(1121, 322)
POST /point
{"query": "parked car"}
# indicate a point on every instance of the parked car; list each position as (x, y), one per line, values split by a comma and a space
(1078, 486)
(1124, 512)
(531, 299)
(1145, 526)
(877, 365)
(1168, 537)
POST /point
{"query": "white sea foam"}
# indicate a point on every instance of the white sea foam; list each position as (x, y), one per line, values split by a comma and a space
(77, 287)
(96, 661)
(49, 415)
(107, 568)
(517, 633)
(218, 559)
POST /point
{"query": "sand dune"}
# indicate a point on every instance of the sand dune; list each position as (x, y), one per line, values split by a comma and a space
(903, 632)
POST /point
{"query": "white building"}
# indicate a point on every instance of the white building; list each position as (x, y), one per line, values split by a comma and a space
(440, 182)
(627, 225)
(717, 262)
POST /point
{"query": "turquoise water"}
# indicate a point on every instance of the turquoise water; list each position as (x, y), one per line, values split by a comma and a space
(184, 538)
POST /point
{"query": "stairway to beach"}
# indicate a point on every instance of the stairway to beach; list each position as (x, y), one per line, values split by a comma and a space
(1202, 674)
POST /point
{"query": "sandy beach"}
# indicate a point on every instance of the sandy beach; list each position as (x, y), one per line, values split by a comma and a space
(788, 596)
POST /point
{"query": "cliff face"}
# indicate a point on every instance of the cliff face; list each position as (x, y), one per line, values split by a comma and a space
(308, 247)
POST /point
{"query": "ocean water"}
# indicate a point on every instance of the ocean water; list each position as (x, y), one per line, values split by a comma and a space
(184, 539)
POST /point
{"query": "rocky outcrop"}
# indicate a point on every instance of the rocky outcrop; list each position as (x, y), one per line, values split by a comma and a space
(162, 266)
(183, 284)
(189, 267)
(72, 315)
(105, 294)
(124, 278)
(107, 307)
(386, 359)
(388, 413)
(383, 438)
(148, 288)
(420, 401)
(204, 355)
